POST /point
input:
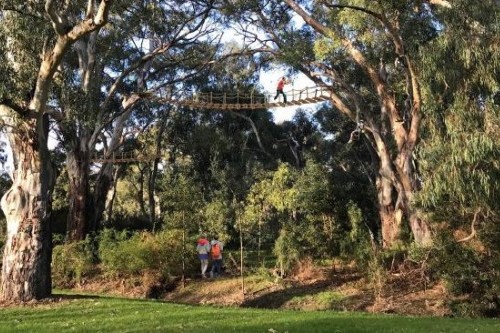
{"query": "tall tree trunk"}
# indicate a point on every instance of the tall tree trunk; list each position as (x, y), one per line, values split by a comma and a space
(396, 184)
(395, 179)
(140, 189)
(103, 184)
(105, 178)
(77, 167)
(390, 217)
(154, 209)
(110, 199)
(27, 207)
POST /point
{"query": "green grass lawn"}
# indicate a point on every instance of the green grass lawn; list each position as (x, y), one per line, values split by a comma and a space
(107, 314)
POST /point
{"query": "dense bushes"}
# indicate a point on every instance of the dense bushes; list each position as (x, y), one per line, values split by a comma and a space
(122, 254)
(467, 271)
(71, 262)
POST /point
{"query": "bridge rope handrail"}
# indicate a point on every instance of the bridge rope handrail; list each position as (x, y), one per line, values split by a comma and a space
(252, 100)
(125, 156)
(223, 101)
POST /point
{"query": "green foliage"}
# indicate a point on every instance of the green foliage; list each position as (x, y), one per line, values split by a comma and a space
(460, 151)
(323, 47)
(216, 214)
(313, 189)
(71, 262)
(287, 251)
(467, 271)
(283, 195)
(181, 202)
(22, 37)
(125, 254)
(262, 272)
(469, 165)
(357, 245)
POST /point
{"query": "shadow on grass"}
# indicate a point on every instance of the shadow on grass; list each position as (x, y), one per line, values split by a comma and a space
(63, 296)
(277, 299)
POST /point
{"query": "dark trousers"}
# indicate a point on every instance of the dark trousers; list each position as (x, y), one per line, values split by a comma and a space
(216, 266)
(278, 92)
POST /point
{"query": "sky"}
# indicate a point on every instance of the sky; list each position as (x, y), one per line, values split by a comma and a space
(269, 79)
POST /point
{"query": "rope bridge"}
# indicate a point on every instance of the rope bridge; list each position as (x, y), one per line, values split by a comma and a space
(243, 101)
(225, 101)
(123, 157)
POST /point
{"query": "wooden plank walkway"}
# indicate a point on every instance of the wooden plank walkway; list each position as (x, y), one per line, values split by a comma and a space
(250, 101)
(225, 101)
(123, 157)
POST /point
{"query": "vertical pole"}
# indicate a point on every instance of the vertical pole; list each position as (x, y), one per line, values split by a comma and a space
(259, 241)
(241, 263)
(183, 251)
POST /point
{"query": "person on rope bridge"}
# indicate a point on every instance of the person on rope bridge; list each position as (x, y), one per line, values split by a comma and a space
(279, 88)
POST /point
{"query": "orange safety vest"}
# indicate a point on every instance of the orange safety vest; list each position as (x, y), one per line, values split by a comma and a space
(216, 251)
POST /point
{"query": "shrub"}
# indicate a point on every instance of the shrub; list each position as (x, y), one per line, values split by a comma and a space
(71, 262)
(469, 272)
(125, 254)
(287, 252)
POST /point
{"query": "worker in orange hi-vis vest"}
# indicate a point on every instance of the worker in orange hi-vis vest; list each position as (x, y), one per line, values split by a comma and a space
(216, 252)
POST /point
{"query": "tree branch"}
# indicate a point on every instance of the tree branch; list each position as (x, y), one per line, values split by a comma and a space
(58, 22)
(13, 106)
(255, 130)
(472, 228)
(442, 3)
(92, 23)
(358, 8)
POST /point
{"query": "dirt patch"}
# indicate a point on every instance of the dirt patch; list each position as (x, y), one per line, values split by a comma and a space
(310, 288)
(221, 291)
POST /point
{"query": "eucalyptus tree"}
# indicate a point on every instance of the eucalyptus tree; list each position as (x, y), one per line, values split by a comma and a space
(37, 36)
(274, 197)
(460, 153)
(226, 140)
(462, 115)
(366, 54)
(148, 51)
(298, 136)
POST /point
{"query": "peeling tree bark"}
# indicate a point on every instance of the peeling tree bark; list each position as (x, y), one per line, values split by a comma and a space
(26, 273)
(77, 167)
(27, 207)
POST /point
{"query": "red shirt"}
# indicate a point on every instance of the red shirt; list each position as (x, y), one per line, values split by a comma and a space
(281, 84)
(202, 241)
